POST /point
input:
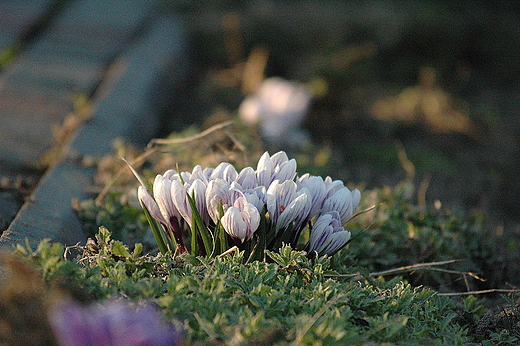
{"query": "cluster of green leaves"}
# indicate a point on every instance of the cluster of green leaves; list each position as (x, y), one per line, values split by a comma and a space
(288, 301)
(400, 233)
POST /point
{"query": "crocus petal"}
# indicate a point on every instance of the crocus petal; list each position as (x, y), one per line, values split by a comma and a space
(327, 235)
(264, 170)
(344, 202)
(285, 171)
(337, 241)
(225, 171)
(180, 199)
(297, 211)
(197, 189)
(217, 192)
(146, 198)
(278, 197)
(317, 189)
(198, 173)
(162, 195)
(241, 220)
(247, 178)
(170, 174)
(233, 223)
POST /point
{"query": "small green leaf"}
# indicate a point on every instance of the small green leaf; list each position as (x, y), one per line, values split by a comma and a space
(119, 249)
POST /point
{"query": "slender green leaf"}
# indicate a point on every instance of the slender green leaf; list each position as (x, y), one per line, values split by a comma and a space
(199, 227)
(157, 231)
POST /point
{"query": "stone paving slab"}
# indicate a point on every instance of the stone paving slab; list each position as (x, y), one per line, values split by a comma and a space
(124, 109)
(17, 16)
(56, 67)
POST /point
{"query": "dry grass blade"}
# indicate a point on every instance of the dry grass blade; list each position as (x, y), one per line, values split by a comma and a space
(136, 162)
(470, 293)
(394, 271)
(205, 133)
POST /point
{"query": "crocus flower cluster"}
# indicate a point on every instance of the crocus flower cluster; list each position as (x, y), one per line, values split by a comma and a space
(111, 323)
(258, 209)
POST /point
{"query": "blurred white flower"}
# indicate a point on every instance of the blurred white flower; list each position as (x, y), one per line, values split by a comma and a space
(279, 108)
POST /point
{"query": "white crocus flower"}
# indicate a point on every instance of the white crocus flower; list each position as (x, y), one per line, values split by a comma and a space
(278, 196)
(317, 189)
(279, 108)
(264, 169)
(197, 189)
(327, 235)
(163, 197)
(247, 178)
(297, 211)
(171, 174)
(274, 167)
(225, 171)
(285, 171)
(344, 201)
(198, 173)
(179, 195)
(241, 220)
(180, 192)
(217, 193)
(147, 200)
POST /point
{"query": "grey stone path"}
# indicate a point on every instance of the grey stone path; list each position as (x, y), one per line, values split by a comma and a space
(71, 58)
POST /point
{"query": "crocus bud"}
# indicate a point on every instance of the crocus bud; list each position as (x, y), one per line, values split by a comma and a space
(147, 200)
(327, 235)
(241, 220)
(344, 201)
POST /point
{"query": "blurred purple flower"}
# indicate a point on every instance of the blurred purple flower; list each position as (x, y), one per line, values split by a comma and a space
(111, 323)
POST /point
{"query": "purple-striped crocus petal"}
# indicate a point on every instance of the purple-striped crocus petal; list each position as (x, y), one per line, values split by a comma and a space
(343, 201)
(247, 178)
(250, 215)
(317, 189)
(252, 197)
(217, 192)
(198, 191)
(285, 171)
(198, 173)
(225, 171)
(297, 211)
(230, 173)
(180, 199)
(170, 174)
(338, 239)
(208, 171)
(332, 186)
(234, 224)
(235, 191)
(279, 158)
(162, 195)
(146, 198)
(321, 232)
(264, 170)
(241, 220)
(278, 197)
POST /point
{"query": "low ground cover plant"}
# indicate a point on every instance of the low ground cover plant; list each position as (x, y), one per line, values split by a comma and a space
(278, 277)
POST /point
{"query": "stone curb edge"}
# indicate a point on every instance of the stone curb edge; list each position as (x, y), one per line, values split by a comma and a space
(126, 109)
